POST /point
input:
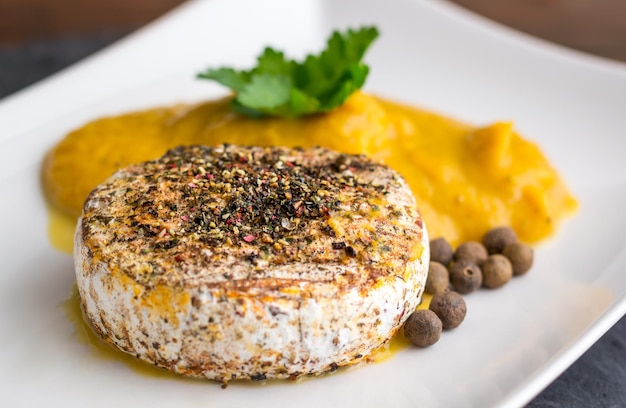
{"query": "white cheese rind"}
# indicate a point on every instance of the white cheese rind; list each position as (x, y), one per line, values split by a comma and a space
(249, 337)
(257, 269)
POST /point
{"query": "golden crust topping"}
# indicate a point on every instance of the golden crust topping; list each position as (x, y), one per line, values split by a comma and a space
(244, 217)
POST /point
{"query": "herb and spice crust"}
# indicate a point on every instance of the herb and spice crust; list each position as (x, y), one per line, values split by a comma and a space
(234, 262)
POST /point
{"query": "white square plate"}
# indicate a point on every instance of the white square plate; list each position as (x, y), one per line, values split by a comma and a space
(514, 341)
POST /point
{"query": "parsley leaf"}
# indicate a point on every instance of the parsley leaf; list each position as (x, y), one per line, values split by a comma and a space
(278, 86)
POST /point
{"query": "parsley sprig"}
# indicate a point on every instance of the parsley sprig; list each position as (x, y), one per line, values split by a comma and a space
(279, 86)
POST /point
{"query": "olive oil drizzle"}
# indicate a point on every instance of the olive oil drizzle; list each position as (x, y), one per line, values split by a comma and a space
(103, 351)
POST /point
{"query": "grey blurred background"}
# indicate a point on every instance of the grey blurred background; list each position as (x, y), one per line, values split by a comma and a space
(594, 26)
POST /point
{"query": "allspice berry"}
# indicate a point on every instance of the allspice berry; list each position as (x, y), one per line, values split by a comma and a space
(441, 251)
(472, 251)
(521, 257)
(497, 271)
(438, 279)
(465, 276)
(423, 328)
(450, 308)
(497, 238)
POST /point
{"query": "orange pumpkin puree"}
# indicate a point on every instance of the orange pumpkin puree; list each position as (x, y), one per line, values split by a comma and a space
(466, 179)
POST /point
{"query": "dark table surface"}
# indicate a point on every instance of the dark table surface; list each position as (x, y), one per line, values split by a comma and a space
(597, 379)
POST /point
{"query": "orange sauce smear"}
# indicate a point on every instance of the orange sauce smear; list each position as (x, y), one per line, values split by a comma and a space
(466, 179)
